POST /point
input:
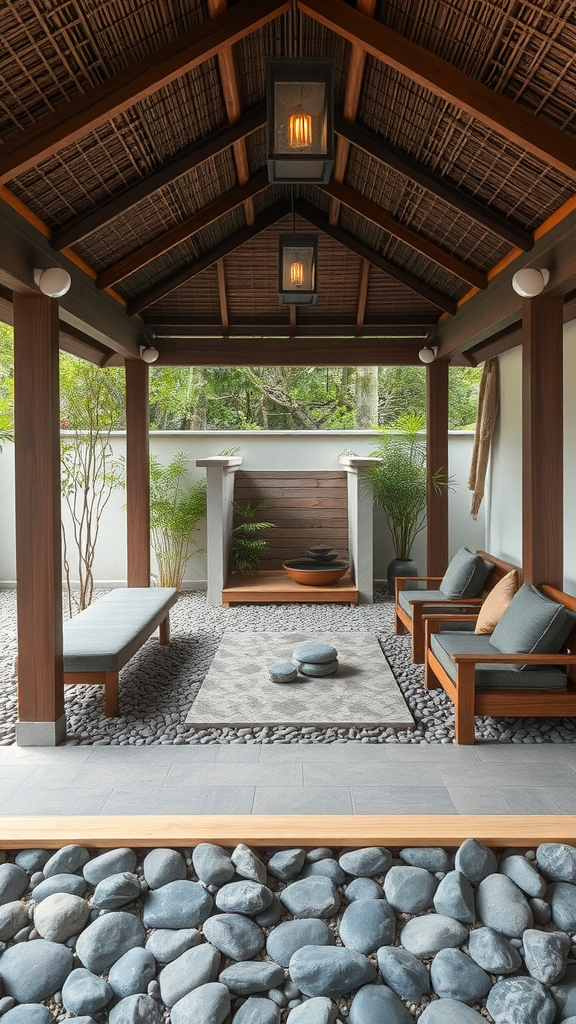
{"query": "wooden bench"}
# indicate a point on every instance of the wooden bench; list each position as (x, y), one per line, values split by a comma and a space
(99, 641)
(460, 682)
(409, 611)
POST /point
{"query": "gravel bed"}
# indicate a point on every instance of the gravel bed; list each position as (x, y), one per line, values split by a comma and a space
(208, 935)
(158, 686)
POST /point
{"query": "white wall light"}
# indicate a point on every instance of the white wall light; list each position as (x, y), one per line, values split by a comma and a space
(530, 282)
(428, 354)
(148, 353)
(53, 282)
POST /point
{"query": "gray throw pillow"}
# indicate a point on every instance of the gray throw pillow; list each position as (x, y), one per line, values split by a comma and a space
(466, 575)
(532, 624)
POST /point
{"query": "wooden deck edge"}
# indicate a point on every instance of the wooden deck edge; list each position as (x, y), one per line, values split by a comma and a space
(143, 830)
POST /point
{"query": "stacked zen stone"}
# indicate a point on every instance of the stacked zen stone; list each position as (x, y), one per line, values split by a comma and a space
(316, 660)
(210, 936)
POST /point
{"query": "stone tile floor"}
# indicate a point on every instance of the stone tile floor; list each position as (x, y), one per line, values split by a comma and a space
(338, 778)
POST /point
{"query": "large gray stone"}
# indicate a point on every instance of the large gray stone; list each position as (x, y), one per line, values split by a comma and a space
(257, 1010)
(286, 864)
(108, 938)
(32, 860)
(426, 936)
(409, 890)
(374, 1004)
(545, 954)
(32, 971)
(541, 911)
(13, 917)
(454, 897)
(61, 915)
(455, 975)
(403, 973)
(245, 979)
(245, 897)
(562, 896)
(116, 891)
(291, 936)
(475, 860)
(212, 864)
(564, 992)
(433, 858)
(234, 935)
(269, 918)
(367, 862)
(30, 1013)
(501, 905)
(162, 866)
(248, 865)
(315, 654)
(493, 951)
(72, 884)
(450, 1011)
(363, 889)
(519, 1001)
(557, 861)
(166, 944)
(13, 882)
(330, 971)
(196, 967)
(132, 973)
(311, 897)
(319, 1010)
(84, 992)
(328, 867)
(66, 860)
(524, 874)
(179, 904)
(209, 1004)
(138, 1009)
(113, 862)
(367, 924)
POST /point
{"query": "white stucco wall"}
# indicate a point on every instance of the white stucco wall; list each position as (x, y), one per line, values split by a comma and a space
(259, 450)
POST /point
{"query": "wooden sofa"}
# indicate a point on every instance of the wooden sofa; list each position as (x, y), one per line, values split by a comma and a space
(409, 611)
(461, 681)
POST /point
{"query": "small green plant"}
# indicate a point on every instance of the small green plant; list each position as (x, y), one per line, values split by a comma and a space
(175, 513)
(246, 547)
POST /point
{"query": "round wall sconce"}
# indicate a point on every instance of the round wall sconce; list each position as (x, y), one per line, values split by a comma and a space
(530, 282)
(53, 282)
(148, 353)
(428, 354)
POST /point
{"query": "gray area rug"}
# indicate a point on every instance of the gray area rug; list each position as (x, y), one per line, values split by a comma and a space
(237, 689)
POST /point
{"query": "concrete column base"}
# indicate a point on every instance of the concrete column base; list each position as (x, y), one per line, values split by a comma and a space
(41, 734)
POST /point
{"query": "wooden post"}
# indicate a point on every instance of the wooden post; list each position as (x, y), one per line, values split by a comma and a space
(137, 474)
(542, 441)
(437, 459)
(41, 720)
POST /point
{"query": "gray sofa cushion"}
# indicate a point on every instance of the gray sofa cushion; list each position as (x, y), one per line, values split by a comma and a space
(491, 676)
(106, 635)
(532, 624)
(434, 608)
(466, 575)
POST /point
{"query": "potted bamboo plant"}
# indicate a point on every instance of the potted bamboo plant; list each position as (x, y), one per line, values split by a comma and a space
(176, 509)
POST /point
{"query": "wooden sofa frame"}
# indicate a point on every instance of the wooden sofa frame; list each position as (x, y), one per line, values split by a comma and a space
(532, 703)
(415, 625)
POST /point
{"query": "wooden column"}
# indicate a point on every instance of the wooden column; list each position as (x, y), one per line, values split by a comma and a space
(542, 441)
(137, 474)
(41, 720)
(437, 459)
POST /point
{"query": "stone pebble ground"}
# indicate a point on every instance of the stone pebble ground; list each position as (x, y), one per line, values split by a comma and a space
(212, 936)
(158, 686)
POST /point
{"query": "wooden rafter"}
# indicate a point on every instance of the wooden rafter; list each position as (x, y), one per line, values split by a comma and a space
(191, 157)
(321, 221)
(168, 239)
(71, 121)
(168, 284)
(374, 213)
(387, 154)
(498, 112)
(222, 295)
(363, 282)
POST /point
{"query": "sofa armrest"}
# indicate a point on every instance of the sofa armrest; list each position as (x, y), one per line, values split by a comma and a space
(434, 622)
(401, 581)
(472, 602)
(514, 659)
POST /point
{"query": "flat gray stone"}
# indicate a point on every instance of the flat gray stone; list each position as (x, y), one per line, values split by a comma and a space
(475, 860)
(557, 861)
(196, 967)
(290, 936)
(501, 905)
(562, 896)
(32, 860)
(84, 992)
(329, 867)
(450, 1011)
(257, 1010)
(541, 911)
(13, 883)
(319, 1010)
(162, 866)
(116, 891)
(60, 915)
(13, 917)
(286, 864)
(283, 672)
(426, 936)
(564, 993)
(318, 853)
(524, 874)
(493, 951)
(166, 944)
(33, 971)
(311, 897)
(72, 884)
(139, 1009)
(519, 1001)
(409, 890)
(374, 1004)
(30, 1013)
(269, 918)
(368, 924)
(113, 862)
(315, 654)
(363, 889)
(179, 904)
(433, 858)
(455, 975)
(454, 897)
(316, 671)
(67, 860)
(545, 954)
(108, 938)
(245, 979)
(403, 973)
(330, 971)
(132, 973)
(248, 865)
(209, 1004)
(245, 897)
(237, 937)
(212, 864)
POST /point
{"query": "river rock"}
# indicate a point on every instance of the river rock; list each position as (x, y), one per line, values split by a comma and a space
(196, 967)
(132, 973)
(13, 883)
(108, 938)
(374, 1004)
(519, 1001)
(166, 944)
(450, 1011)
(84, 992)
(564, 992)
(290, 936)
(403, 973)
(330, 971)
(13, 917)
(237, 937)
(562, 896)
(257, 1010)
(541, 911)
(367, 924)
(454, 897)
(328, 867)
(179, 904)
(254, 976)
(433, 858)
(319, 1010)
(31, 1013)
(212, 864)
(72, 884)
(363, 889)
(286, 864)
(209, 1004)
(67, 860)
(493, 951)
(524, 874)
(283, 672)
(32, 971)
(162, 866)
(409, 890)
(269, 918)
(426, 936)
(243, 897)
(116, 891)
(311, 897)
(248, 865)
(557, 861)
(113, 862)
(454, 975)
(138, 1009)
(315, 654)
(318, 853)
(545, 954)
(475, 861)
(32, 860)
(501, 905)
(60, 915)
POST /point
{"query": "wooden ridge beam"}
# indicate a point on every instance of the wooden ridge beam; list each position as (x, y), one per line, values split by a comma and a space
(321, 221)
(168, 284)
(168, 239)
(411, 168)
(324, 351)
(509, 119)
(374, 213)
(77, 228)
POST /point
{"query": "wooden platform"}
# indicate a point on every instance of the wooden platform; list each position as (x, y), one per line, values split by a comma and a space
(275, 587)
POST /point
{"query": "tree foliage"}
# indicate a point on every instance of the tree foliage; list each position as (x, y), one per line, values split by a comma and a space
(176, 509)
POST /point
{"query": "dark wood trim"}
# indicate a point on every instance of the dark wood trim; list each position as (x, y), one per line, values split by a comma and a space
(321, 221)
(542, 441)
(73, 120)
(37, 499)
(437, 459)
(385, 153)
(79, 344)
(270, 325)
(137, 474)
(509, 119)
(363, 284)
(288, 352)
(222, 294)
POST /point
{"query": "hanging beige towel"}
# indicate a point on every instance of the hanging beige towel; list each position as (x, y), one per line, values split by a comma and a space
(487, 413)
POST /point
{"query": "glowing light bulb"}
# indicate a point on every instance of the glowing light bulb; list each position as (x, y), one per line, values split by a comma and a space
(300, 130)
(297, 274)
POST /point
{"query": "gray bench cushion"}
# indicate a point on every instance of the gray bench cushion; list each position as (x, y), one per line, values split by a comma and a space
(106, 635)
(492, 676)
(435, 597)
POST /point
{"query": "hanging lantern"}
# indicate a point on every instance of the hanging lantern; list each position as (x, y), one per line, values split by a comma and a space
(298, 265)
(300, 100)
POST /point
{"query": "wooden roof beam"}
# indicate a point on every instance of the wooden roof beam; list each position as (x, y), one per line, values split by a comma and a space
(299, 352)
(377, 147)
(71, 121)
(222, 295)
(497, 112)
(321, 221)
(168, 239)
(363, 282)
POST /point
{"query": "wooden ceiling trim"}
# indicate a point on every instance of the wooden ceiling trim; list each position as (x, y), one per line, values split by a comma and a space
(270, 327)
(316, 217)
(168, 284)
(222, 294)
(510, 120)
(288, 352)
(168, 239)
(371, 211)
(71, 121)
(363, 282)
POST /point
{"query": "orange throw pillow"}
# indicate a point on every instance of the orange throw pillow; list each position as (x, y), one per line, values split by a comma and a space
(496, 603)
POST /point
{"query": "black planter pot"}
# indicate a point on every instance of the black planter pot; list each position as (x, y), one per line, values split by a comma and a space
(400, 567)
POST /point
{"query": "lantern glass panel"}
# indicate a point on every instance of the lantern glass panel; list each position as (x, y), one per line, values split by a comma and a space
(298, 268)
(300, 122)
